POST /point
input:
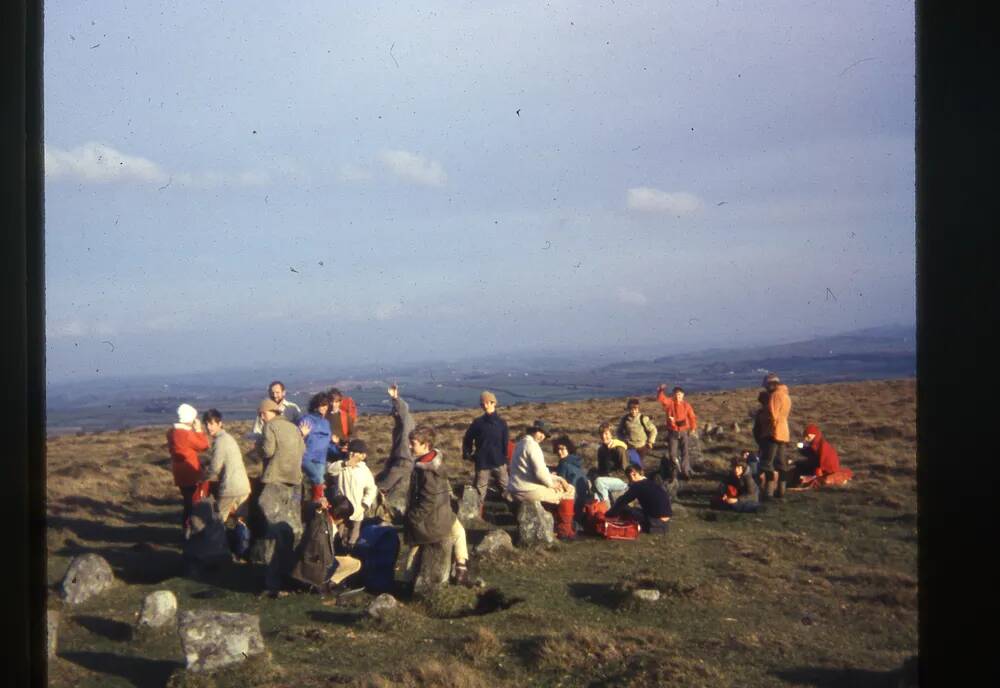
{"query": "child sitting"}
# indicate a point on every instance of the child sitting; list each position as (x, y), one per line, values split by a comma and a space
(739, 490)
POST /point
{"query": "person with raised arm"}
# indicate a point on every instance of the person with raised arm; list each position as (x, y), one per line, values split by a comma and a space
(681, 422)
(185, 440)
(399, 466)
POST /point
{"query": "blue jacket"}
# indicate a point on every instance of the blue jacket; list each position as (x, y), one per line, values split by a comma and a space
(571, 470)
(486, 441)
(317, 443)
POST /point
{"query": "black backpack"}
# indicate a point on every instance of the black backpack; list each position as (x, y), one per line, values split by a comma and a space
(314, 559)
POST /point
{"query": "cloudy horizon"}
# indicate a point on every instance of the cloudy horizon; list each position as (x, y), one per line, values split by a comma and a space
(349, 185)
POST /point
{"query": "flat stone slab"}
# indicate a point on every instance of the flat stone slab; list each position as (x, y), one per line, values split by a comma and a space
(212, 639)
(87, 575)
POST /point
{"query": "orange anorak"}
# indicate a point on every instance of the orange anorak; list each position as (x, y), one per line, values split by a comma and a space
(681, 411)
(780, 406)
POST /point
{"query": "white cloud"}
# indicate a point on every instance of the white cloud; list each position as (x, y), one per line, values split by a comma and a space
(633, 298)
(97, 163)
(413, 168)
(649, 200)
(350, 172)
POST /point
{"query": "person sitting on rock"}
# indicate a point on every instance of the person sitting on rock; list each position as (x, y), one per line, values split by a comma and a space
(531, 481)
(612, 458)
(570, 469)
(227, 469)
(429, 517)
(352, 478)
(636, 429)
(654, 510)
(315, 429)
(821, 465)
(184, 440)
(399, 466)
(739, 490)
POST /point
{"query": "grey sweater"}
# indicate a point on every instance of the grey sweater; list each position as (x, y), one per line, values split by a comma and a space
(227, 466)
(282, 447)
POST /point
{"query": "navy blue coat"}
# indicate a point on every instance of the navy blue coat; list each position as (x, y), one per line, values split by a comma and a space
(486, 441)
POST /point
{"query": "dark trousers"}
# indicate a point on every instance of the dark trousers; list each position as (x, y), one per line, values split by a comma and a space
(677, 445)
(773, 458)
(187, 493)
(650, 526)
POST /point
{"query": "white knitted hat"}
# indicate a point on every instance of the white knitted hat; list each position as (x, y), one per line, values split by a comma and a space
(186, 413)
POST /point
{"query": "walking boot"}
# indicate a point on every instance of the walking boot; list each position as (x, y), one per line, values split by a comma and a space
(779, 491)
(772, 484)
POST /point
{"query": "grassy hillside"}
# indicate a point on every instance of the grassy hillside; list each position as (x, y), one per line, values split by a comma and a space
(819, 590)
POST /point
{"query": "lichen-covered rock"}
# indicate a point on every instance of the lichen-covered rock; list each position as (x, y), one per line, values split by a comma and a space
(495, 541)
(87, 575)
(395, 500)
(211, 639)
(382, 605)
(158, 609)
(207, 544)
(469, 507)
(535, 525)
(52, 631)
(435, 567)
(280, 507)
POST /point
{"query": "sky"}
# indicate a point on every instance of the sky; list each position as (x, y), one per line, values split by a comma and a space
(342, 184)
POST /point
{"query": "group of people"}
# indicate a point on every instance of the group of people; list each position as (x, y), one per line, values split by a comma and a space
(314, 462)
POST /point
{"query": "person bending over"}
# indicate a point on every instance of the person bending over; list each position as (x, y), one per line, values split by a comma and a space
(654, 510)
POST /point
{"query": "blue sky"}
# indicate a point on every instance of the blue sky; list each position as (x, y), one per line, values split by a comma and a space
(684, 174)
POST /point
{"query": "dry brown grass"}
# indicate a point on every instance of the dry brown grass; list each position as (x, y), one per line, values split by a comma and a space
(430, 673)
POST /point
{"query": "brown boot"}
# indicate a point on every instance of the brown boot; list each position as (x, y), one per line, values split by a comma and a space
(772, 484)
(462, 575)
(779, 491)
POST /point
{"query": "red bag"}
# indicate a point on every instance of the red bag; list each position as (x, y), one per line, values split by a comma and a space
(593, 516)
(619, 529)
(510, 450)
(839, 478)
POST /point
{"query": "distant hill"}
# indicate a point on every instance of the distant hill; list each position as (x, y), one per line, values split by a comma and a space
(870, 354)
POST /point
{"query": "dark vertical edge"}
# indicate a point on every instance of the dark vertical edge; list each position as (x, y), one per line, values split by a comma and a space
(35, 331)
(957, 353)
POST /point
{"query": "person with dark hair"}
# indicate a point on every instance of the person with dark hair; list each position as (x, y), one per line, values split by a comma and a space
(739, 491)
(399, 466)
(570, 469)
(636, 429)
(612, 458)
(761, 422)
(341, 424)
(773, 462)
(429, 516)
(485, 443)
(318, 565)
(287, 408)
(353, 479)
(346, 403)
(227, 469)
(185, 440)
(282, 446)
(681, 422)
(654, 510)
(315, 429)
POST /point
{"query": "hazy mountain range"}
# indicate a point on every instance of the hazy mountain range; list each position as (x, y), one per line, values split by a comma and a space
(873, 353)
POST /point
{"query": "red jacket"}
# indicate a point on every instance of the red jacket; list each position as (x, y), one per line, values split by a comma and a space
(348, 404)
(341, 423)
(184, 447)
(829, 461)
(680, 411)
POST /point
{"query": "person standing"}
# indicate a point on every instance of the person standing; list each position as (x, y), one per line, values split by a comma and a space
(429, 516)
(681, 422)
(185, 440)
(282, 448)
(287, 408)
(485, 443)
(227, 469)
(400, 464)
(772, 463)
(636, 429)
(315, 429)
(341, 424)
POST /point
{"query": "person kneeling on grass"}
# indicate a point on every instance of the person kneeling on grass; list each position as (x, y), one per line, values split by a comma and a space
(821, 465)
(429, 516)
(531, 481)
(654, 510)
(739, 490)
(318, 565)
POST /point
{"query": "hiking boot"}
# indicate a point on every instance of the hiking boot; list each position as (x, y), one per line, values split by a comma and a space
(779, 491)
